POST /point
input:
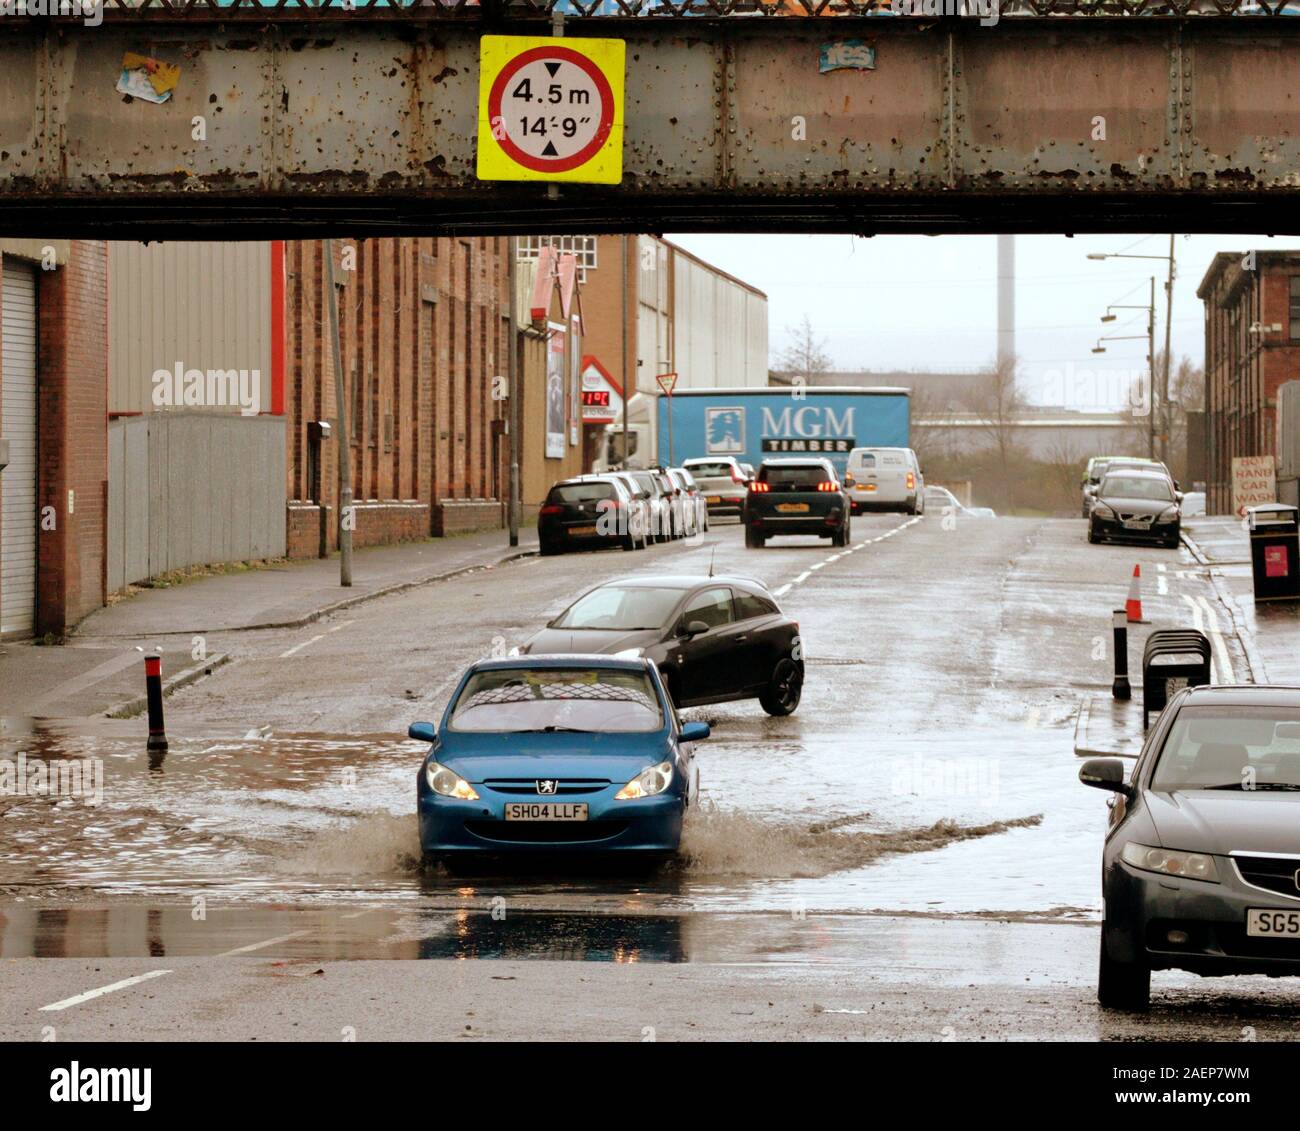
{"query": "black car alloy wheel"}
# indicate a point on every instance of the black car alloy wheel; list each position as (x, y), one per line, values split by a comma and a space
(784, 689)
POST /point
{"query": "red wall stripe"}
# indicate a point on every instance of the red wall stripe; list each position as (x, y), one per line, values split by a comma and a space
(277, 327)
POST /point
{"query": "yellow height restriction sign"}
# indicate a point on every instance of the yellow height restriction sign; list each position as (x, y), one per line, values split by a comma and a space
(550, 109)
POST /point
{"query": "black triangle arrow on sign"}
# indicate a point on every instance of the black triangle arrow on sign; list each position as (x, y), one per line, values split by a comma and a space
(551, 68)
(549, 151)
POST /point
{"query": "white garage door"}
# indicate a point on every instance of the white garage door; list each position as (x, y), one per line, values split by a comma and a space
(18, 426)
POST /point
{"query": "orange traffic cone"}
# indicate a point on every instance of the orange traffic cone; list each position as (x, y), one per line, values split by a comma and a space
(1133, 606)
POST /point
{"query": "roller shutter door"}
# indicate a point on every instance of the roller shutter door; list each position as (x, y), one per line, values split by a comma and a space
(18, 426)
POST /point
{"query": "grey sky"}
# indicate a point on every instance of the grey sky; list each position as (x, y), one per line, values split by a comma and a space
(921, 302)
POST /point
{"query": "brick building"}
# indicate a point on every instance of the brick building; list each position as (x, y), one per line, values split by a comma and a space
(53, 382)
(683, 316)
(423, 325)
(1252, 346)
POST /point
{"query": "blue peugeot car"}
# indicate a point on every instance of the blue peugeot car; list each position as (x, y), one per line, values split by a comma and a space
(575, 754)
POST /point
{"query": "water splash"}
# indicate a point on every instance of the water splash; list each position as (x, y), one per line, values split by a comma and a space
(718, 842)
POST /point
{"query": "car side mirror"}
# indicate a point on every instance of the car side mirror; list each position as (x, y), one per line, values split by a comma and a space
(694, 628)
(421, 732)
(1105, 773)
(695, 732)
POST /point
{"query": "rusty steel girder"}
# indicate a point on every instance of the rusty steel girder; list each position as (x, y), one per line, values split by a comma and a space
(1031, 125)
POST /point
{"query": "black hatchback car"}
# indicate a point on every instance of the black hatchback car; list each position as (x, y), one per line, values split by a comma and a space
(1136, 505)
(797, 496)
(1201, 869)
(586, 513)
(713, 639)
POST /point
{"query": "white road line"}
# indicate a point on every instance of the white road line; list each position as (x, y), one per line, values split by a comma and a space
(1160, 566)
(817, 565)
(320, 636)
(90, 995)
(263, 943)
(1198, 622)
(783, 590)
(801, 578)
(300, 647)
(1217, 642)
(1162, 584)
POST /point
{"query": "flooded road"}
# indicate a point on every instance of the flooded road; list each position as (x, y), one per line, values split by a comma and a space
(917, 826)
(929, 767)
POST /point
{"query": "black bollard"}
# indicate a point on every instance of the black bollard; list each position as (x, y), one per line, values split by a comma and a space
(1121, 689)
(153, 693)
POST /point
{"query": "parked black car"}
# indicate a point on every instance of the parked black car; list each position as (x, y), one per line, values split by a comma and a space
(1201, 869)
(713, 639)
(796, 496)
(1136, 506)
(585, 513)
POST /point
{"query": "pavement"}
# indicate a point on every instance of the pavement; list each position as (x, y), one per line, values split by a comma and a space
(1273, 628)
(97, 670)
(1265, 634)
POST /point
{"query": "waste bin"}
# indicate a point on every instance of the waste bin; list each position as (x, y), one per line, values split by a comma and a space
(1173, 658)
(1275, 551)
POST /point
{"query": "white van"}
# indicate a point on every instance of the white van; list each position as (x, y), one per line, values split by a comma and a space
(885, 479)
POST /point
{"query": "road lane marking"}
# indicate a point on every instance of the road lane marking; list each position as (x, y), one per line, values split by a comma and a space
(299, 647)
(801, 578)
(1198, 622)
(320, 636)
(1162, 585)
(1218, 643)
(263, 943)
(1204, 619)
(90, 995)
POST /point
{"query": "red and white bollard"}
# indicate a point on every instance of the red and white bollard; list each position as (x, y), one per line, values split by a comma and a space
(154, 696)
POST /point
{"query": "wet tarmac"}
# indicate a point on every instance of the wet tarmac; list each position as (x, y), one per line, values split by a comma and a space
(922, 803)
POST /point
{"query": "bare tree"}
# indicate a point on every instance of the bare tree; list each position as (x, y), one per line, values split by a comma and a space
(806, 354)
(996, 398)
(930, 437)
(1065, 465)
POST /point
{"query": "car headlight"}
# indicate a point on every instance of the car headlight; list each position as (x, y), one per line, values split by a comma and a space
(651, 780)
(448, 783)
(1190, 865)
(1169, 514)
(1102, 510)
(630, 654)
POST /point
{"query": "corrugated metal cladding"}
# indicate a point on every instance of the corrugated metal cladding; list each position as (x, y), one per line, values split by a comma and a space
(205, 305)
(18, 426)
(719, 328)
(653, 336)
(189, 489)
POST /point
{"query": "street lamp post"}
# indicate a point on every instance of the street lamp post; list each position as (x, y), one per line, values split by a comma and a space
(1169, 318)
(1150, 308)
